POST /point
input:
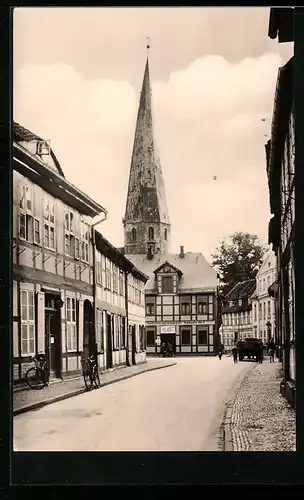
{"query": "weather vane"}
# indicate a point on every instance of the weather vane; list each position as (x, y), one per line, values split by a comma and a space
(148, 42)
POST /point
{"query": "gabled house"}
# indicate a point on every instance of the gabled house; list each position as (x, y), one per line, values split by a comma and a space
(237, 313)
(181, 302)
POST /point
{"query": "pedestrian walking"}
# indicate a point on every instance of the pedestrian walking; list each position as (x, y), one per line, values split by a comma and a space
(235, 353)
(271, 350)
(220, 351)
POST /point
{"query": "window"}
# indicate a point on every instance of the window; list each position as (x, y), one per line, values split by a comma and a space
(202, 336)
(85, 239)
(185, 334)
(99, 337)
(151, 337)
(150, 309)
(121, 283)
(165, 234)
(49, 223)
(151, 233)
(202, 305)
(269, 310)
(167, 284)
(260, 311)
(28, 225)
(71, 324)
(69, 237)
(141, 338)
(264, 310)
(185, 307)
(27, 323)
(115, 278)
(123, 333)
(133, 234)
(255, 312)
(108, 274)
(98, 268)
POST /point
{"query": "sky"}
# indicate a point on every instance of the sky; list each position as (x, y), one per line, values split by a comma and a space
(77, 78)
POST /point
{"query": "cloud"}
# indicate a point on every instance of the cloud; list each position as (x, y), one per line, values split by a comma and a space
(207, 123)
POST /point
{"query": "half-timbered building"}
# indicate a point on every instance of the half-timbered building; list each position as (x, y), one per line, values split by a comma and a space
(181, 302)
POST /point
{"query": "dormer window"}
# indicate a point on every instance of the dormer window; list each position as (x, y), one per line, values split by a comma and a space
(167, 284)
(133, 234)
(151, 233)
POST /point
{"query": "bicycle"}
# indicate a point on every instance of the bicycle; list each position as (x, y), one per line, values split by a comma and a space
(90, 373)
(37, 377)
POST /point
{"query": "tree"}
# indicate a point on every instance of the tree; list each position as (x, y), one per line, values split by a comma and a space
(238, 259)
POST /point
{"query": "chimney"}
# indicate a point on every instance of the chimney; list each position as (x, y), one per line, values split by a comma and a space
(181, 253)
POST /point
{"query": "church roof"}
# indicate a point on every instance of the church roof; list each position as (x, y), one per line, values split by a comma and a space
(146, 200)
(197, 275)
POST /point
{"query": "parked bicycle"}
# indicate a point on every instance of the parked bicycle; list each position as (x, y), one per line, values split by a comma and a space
(37, 377)
(90, 373)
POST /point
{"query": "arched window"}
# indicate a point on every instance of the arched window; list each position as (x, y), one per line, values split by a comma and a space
(151, 233)
(133, 234)
(165, 234)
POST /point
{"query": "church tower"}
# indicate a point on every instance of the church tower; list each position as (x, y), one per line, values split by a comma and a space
(146, 222)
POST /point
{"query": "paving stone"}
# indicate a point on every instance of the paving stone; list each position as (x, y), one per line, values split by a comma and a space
(261, 418)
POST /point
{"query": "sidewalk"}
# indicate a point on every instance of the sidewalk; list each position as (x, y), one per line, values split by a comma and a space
(259, 418)
(28, 399)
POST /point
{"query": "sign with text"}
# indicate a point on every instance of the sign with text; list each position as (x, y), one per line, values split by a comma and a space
(167, 329)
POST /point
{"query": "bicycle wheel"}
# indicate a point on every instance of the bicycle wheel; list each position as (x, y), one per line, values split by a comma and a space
(88, 382)
(96, 378)
(35, 378)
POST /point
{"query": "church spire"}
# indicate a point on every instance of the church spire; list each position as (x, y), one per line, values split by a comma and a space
(146, 221)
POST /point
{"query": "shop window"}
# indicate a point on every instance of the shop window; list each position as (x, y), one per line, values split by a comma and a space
(27, 323)
(151, 336)
(185, 336)
(202, 336)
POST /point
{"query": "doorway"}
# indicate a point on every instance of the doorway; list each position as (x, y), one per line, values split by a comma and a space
(109, 361)
(169, 338)
(89, 342)
(133, 343)
(52, 317)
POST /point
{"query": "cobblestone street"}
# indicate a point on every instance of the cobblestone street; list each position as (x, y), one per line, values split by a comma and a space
(260, 419)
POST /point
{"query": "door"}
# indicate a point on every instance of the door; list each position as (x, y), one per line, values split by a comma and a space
(89, 344)
(53, 342)
(109, 363)
(133, 333)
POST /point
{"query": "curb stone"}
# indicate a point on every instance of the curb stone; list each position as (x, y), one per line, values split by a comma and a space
(40, 404)
(226, 424)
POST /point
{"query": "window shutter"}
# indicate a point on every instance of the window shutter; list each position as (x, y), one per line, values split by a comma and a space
(80, 327)
(40, 323)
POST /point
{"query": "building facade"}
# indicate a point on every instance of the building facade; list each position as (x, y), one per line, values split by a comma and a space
(54, 267)
(237, 321)
(120, 308)
(263, 306)
(52, 258)
(181, 303)
(280, 151)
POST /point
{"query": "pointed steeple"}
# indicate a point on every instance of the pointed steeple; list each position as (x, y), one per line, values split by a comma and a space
(146, 221)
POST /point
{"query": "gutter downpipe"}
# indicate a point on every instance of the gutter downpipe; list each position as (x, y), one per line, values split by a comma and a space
(99, 221)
